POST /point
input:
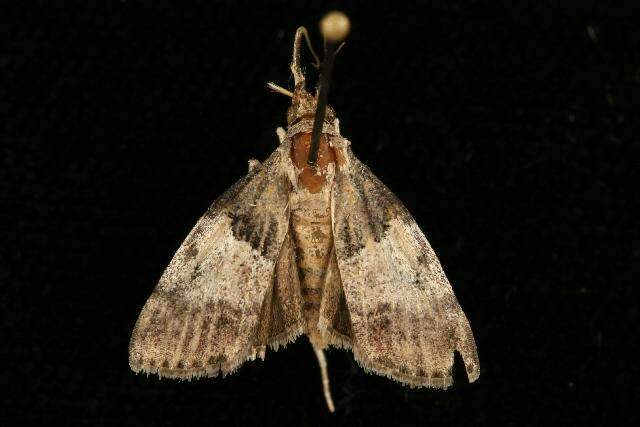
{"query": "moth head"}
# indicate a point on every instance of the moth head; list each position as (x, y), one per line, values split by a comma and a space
(303, 104)
(303, 107)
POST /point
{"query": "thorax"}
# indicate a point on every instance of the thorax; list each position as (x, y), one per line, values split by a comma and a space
(310, 199)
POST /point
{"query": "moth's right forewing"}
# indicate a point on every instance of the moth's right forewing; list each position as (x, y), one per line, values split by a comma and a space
(406, 322)
(203, 315)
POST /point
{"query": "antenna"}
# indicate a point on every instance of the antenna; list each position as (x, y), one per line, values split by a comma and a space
(334, 28)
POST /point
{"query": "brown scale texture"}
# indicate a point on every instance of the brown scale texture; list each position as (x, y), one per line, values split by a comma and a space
(405, 320)
(230, 289)
(288, 250)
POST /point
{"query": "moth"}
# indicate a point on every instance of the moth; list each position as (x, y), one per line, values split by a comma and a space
(290, 249)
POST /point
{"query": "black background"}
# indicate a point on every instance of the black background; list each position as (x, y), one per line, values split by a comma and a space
(508, 129)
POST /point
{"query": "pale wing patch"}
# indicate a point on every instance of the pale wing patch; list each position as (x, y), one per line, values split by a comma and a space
(202, 317)
(406, 321)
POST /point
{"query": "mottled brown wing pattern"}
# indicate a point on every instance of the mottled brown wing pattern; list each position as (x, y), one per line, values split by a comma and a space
(207, 314)
(405, 320)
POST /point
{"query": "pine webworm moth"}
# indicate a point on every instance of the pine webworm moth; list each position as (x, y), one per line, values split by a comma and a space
(311, 243)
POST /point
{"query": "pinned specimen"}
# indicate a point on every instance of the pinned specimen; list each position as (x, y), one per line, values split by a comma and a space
(311, 243)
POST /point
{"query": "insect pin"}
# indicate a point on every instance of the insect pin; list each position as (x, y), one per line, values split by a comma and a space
(310, 243)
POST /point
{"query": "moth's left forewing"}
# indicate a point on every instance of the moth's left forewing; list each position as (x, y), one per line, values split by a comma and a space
(406, 321)
(212, 308)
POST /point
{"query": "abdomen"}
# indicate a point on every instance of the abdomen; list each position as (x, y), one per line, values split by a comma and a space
(311, 224)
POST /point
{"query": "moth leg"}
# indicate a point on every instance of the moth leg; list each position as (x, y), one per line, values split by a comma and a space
(281, 134)
(279, 89)
(322, 361)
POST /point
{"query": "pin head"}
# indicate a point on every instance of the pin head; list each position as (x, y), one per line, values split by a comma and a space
(335, 26)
